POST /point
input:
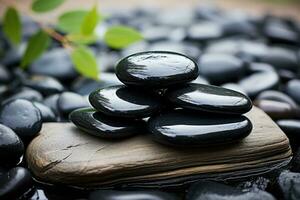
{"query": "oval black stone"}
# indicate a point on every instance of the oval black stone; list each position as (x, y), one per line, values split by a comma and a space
(69, 101)
(293, 89)
(132, 195)
(186, 129)
(209, 98)
(15, 183)
(274, 95)
(11, 147)
(122, 101)
(46, 112)
(95, 123)
(156, 69)
(291, 127)
(22, 117)
(221, 68)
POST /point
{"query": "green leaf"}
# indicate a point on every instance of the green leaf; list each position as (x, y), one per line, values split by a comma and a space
(45, 5)
(82, 39)
(71, 21)
(35, 47)
(121, 36)
(12, 25)
(90, 22)
(85, 62)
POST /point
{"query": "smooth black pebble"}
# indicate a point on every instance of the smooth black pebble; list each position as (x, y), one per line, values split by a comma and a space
(209, 98)
(293, 89)
(47, 114)
(291, 127)
(95, 123)
(11, 146)
(123, 101)
(156, 69)
(180, 128)
(22, 117)
(15, 183)
(69, 101)
(132, 195)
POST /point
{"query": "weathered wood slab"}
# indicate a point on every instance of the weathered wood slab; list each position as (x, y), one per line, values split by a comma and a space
(64, 154)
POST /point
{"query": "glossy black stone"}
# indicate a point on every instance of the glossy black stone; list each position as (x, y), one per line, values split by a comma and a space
(22, 117)
(291, 127)
(276, 96)
(209, 98)
(156, 69)
(55, 63)
(206, 190)
(95, 123)
(187, 129)
(11, 146)
(204, 31)
(293, 89)
(26, 93)
(46, 112)
(132, 195)
(69, 101)
(288, 184)
(221, 68)
(259, 82)
(51, 102)
(44, 84)
(15, 183)
(123, 101)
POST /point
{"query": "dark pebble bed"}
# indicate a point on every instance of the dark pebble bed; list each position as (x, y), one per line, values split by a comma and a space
(202, 70)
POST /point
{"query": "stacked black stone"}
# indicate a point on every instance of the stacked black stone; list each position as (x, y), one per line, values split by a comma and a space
(159, 97)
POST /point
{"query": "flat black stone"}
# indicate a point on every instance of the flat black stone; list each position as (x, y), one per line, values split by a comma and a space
(15, 183)
(46, 112)
(179, 128)
(95, 123)
(207, 190)
(44, 84)
(11, 146)
(51, 102)
(26, 93)
(156, 69)
(131, 195)
(276, 96)
(69, 101)
(293, 89)
(22, 117)
(123, 101)
(209, 98)
(221, 68)
(291, 127)
(55, 63)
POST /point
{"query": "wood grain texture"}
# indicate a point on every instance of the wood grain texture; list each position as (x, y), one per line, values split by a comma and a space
(63, 154)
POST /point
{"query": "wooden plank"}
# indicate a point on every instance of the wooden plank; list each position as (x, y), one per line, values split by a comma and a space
(64, 154)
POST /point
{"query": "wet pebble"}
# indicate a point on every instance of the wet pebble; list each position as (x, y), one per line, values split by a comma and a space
(11, 146)
(22, 117)
(95, 123)
(156, 69)
(122, 101)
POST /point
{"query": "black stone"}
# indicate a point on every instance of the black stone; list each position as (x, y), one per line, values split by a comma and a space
(276, 96)
(95, 123)
(46, 112)
(295, 163)
(288, 185)
(15, 183)
(259, 82)
(131, 195)
(123, 101)
(201, 80)
(293, 89)
(235, 87)
(186, 129)
(278, 110)
(26, 93)
(52, 102)
(204, 31)
(156, 69)
(55, 63)
(221, 68)
(11, 147)
(291, 127)
(5, 75)
(44, 84)
(205, 190)
(209, 98)
(22, 117)
(69, 101)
